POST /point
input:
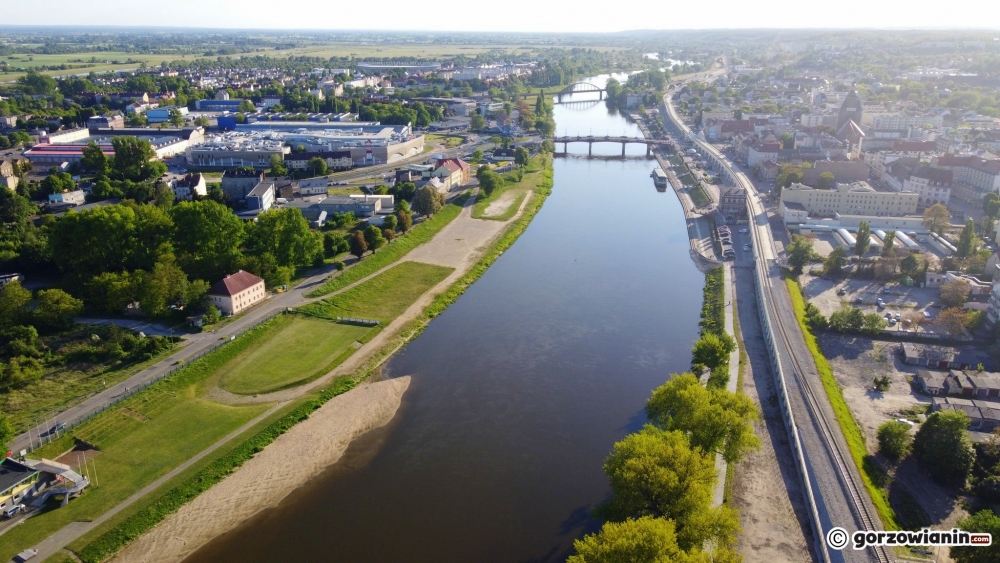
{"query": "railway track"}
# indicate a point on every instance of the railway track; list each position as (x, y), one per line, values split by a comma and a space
(826, 433)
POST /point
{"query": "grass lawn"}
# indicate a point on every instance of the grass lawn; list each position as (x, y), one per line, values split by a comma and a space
(344, 190)
(698, 196)
(383, 297)
(536, 172)
(399, 247)
(295, 350)
(449, 141)
(188, 473)
(140, 440)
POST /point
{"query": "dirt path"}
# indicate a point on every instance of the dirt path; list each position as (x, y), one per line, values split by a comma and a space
(295, 457)
(499, 206)
(459, 245)
(766, 490)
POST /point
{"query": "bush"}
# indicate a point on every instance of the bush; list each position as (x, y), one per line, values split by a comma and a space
(894, 439)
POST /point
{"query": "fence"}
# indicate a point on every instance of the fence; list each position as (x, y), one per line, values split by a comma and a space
(67, 426)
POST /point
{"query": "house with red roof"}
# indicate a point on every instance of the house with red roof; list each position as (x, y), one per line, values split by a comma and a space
(453, 171)
(237, 292)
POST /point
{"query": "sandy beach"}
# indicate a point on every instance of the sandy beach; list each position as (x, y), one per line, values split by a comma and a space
(303, 452)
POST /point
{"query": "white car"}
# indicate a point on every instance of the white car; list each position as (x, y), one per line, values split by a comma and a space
(743, 231)
(904, 421)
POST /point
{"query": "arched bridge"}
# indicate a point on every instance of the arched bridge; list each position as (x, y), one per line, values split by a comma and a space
(581, 88)
(591, 139)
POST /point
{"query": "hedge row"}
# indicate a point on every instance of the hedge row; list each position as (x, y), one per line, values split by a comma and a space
(135, 525)
(713, 306)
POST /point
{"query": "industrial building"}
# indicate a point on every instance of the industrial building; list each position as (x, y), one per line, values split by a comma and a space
(69, 147)
(231, 150)
(857, 198)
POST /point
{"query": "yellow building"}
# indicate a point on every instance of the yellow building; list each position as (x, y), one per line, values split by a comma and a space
(857, 198)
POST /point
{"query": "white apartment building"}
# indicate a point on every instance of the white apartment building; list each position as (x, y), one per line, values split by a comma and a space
(857, 198)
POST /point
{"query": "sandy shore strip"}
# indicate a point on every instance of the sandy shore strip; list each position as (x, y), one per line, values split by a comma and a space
(295, 457)
(500, 205)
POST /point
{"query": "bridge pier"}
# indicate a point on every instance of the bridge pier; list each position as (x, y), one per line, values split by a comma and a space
(623, 149)
(649, 149)
(590, 148)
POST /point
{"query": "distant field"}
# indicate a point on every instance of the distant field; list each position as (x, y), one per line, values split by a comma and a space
(295, 350)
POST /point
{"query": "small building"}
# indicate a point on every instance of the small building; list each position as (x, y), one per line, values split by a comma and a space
(733, 202)
(454, 168)
(931, 382)
(75, 197)
(162, 114)
(984, 416)
(314, 186)
(238, 182)
(189, 186)
(18, 483)
(361, 206)
(335, 160)
(261, 197)
(944, 357)
(237, 292)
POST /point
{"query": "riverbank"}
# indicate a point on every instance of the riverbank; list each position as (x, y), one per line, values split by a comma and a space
(289, 462)
(465, 244)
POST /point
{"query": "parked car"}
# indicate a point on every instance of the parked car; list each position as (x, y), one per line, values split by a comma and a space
(841, 292)
(13, 511)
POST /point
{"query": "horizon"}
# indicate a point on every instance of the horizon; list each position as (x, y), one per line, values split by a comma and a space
(546, 17)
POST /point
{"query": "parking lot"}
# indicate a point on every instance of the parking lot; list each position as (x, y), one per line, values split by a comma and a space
(918, 304)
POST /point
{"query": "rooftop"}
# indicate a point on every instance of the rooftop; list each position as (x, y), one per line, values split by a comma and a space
(234, 283)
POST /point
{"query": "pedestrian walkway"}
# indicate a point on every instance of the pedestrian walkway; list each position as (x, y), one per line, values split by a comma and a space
(734, 374)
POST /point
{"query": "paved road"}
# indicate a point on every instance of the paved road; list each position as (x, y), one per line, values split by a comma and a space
(833, 478)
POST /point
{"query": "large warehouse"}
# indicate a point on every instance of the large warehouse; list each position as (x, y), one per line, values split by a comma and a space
(69, 147)
(369, 143)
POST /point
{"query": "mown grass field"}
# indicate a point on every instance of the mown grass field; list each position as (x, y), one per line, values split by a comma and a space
(296, 349)
(141, 439)
(536, 172)
(449, 141)
(383, 297)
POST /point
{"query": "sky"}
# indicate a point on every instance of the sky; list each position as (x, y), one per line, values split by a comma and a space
(536, 16)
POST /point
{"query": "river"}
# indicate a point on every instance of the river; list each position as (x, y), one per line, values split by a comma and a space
(519, 389)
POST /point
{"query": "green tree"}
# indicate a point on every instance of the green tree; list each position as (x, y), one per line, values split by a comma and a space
(937, 218)
(94, 159)
(909, 265)
(428, 201)
(201, 121)
(246, 106)
(800, 252)
(890, 241)
(714, 420)
(164, 195)
(894, 439)
(334, 244)
(847, 319)
(405, 220)
(712, 350)
(134, 160)
(358, 244)
(642, 540)
(490, 182)
(391, 222)
(864, 239)
(477, 155)
(477, 123)
(283, 233)
(955, 293)
(655, 473)
(211, 315)
(967, 240)
(176, 118)
(161, 287)
(943, 447)
(207, 239)
(836, 261)
(983, 522)
(14, 301)
(521, 156)
(374, 238)
(872, 324)
(55, 309)
(991, 205)
(34, 83)
(14, 208)
(278, 166)
(826, 181)
(317, 166)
